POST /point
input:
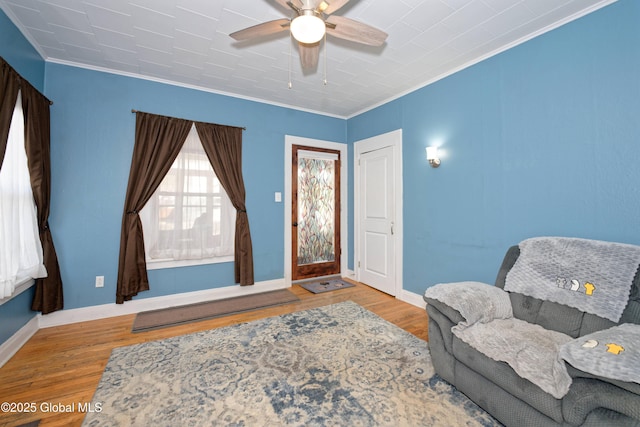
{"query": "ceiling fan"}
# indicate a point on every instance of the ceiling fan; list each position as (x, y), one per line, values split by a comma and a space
(314, 19)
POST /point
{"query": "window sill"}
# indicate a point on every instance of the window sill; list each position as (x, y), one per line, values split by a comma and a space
(158, 264)
(21, 286)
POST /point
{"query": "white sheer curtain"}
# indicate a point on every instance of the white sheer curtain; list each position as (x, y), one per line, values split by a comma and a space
(190, 217)
(20, 248)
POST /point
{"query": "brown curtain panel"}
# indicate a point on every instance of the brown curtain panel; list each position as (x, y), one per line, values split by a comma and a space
(223, 145)
(158, 141)
(9, 87)
(48, 296)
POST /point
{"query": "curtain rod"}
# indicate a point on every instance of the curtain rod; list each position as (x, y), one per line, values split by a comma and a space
(133, 110)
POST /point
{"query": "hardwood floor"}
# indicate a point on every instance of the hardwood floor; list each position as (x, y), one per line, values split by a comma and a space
(62, 365)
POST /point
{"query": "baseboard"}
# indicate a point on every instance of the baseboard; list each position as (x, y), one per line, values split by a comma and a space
(412, 298)
(17, 340)
(96, 312)
(84, 314)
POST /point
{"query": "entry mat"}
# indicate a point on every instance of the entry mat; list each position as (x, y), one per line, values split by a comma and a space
(326, 286)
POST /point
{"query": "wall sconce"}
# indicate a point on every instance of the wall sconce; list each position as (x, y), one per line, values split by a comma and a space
(432, 156)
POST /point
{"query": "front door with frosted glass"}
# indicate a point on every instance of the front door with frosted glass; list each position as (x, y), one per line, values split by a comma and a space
(315, 215)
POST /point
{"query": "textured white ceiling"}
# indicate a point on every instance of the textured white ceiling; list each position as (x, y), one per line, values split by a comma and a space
(186, 42)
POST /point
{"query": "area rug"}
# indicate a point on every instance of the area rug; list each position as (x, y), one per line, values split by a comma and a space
(172, 316)
(326, 285)
(337, 365)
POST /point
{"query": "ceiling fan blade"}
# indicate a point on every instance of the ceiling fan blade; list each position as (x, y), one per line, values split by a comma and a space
(261, 30)
(331, 5)
(355, 31)
(285, 3)
(309, 54)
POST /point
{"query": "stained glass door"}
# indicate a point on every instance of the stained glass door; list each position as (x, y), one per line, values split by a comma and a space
(315, 212)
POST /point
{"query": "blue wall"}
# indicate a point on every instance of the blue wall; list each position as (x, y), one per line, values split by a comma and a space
(539, 140)
(20, 54)
(92, 142)
(17, 51)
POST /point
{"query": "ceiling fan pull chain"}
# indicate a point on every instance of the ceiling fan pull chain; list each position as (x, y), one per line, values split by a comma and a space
(290, 55)
(325, 59)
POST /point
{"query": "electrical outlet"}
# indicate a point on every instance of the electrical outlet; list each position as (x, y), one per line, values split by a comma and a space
(99, 281)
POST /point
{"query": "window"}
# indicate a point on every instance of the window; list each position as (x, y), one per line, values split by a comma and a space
(21, 256)
(190, 219)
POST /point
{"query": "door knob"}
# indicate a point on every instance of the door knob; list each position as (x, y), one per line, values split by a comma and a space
(295, 224)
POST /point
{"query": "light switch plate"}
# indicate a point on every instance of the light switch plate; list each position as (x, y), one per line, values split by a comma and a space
(278, 196)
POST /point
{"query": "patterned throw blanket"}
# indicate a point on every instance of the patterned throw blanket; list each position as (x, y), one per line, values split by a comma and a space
(490, 328)
(590, 275)
(530, 350)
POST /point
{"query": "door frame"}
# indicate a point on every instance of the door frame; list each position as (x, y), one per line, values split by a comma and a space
(390, 139)
(289, 142)
(324, 268)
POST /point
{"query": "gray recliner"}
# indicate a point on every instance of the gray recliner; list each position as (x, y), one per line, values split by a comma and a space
(514, 401)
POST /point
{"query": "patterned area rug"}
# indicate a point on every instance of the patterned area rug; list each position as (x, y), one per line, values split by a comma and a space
(338, 365)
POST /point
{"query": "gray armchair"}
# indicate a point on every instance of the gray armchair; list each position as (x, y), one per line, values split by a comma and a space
(591, 400)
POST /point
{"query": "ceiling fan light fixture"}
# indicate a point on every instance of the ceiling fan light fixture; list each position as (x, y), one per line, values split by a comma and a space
(308, 28)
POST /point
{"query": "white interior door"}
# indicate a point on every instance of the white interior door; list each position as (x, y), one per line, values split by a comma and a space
(376, 263)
